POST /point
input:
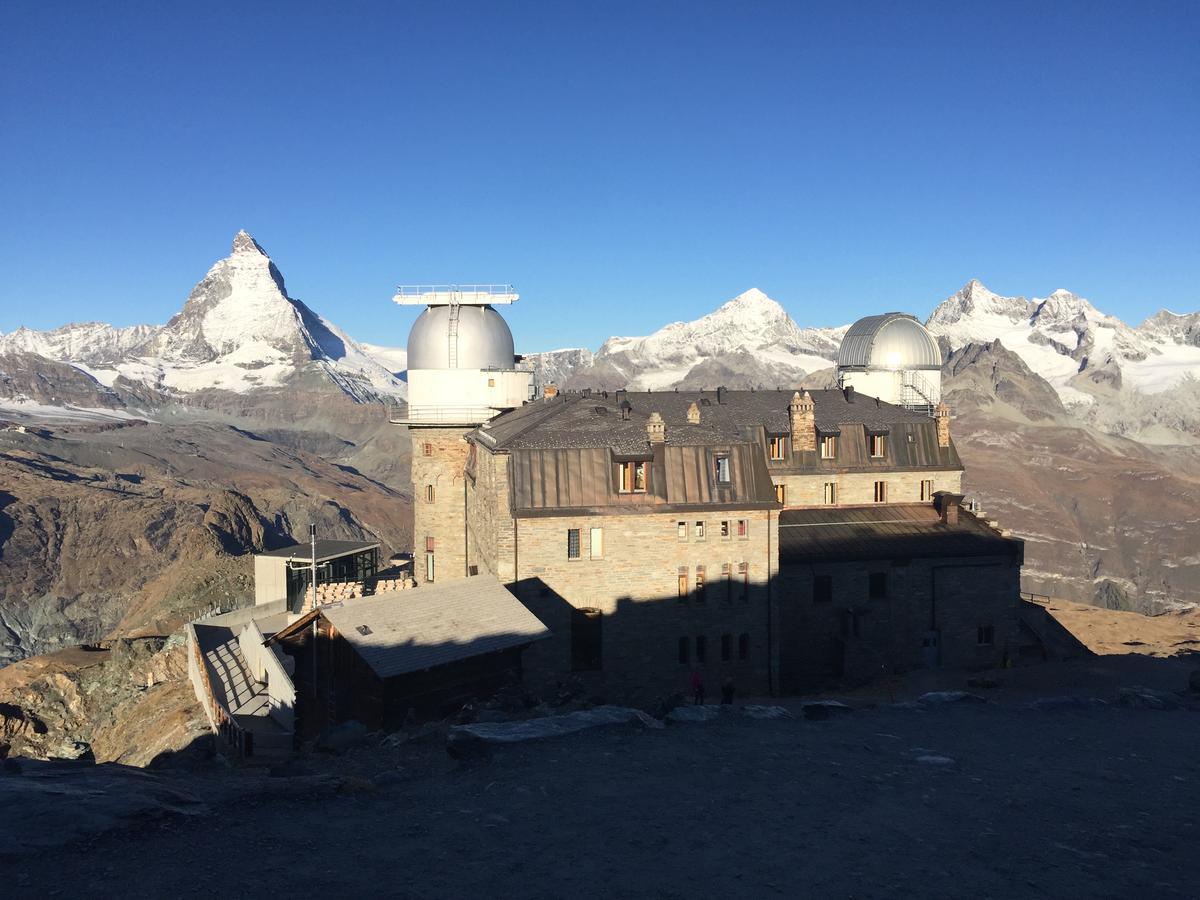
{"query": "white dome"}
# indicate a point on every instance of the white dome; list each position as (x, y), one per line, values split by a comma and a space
(483, 340)
(893, 341)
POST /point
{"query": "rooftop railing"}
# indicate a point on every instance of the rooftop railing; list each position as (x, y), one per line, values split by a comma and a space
(418, 294)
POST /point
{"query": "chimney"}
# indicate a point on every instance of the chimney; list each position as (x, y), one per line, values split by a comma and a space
(802, 415)
(549, 390)
(941, 415)
(626, 408)
(849, 392)
(948, 504)
(693, 413)
(656, 429)
(720, 395)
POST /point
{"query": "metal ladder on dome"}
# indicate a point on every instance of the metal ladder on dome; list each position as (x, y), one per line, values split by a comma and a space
(916, 393)
(452, 334)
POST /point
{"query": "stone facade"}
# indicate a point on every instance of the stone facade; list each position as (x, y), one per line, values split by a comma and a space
(857, 637)
(856, 488)
(439, 457)
(634, 583)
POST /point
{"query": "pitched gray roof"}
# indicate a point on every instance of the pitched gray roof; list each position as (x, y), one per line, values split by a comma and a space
(895, 531)
(594, 420)
(435, 624)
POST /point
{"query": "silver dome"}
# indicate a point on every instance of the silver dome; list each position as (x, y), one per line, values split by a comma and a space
(892, 341)
(483, 341)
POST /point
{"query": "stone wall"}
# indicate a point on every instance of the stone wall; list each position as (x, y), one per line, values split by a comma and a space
(860, 637)
(858, 488)
(443, 519)
(635, 585)
(489, 519)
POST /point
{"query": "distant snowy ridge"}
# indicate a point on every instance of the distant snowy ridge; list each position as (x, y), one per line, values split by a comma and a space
(1070, 343)
(239, 331)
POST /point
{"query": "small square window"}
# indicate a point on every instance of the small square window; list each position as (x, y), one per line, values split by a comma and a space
(831, 493)
(572, 543)
(743, 528)
(985, 635)
(727, 578)
(429, 493)
(427, 449)
(881, 492)
(878, 446)
(777, 447)
(744, 578)
(781, 494)
(700, 593)
(632, 477)
(877, 585)
(724, 529)
(429, 567)
(681, 530)
(491, 382)
(429, 542)
(699, 531)
(682, 578)
(822, 588)
(927, 490)
(828, 446)
(597, 543)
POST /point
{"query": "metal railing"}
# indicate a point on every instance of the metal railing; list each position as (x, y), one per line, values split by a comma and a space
(447, 414)
(415, 294)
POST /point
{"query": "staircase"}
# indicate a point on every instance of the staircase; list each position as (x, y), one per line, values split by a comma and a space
(453, 334)
(916, 393)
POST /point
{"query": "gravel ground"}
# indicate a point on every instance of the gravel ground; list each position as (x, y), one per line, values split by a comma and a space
(965, 799)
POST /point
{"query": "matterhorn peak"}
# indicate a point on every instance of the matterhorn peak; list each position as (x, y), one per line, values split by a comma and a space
(244, 243)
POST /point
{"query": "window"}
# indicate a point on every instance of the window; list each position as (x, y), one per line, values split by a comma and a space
(572, 543)
(878, 446)
(429, 543)
(822, 588)
(724, 529)
(743, 646)
(427, 449)
(781, 494)
(587, 641)
(699, 531)
(633, 477)
(828, 446)
(701, 648)
(699, 584)
(685, 647)
(472, 570)
(429, 493)
(727, 578)
(721, 468)
(429, 569)
(683, 584)
(491, 382)
(877, 585)
(881, 492)
(743, 528)
(726, 647)
(777, 447)
(985, 635)
(597, 542)
(927, 490)
(744, 578)
(830, 493)
(681, 530)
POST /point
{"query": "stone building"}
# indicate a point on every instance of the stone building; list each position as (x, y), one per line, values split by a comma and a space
(661, 533)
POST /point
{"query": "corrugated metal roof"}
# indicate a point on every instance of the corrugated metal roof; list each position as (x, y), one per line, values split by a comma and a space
(890, 341)
(893, 531)
(407, 631)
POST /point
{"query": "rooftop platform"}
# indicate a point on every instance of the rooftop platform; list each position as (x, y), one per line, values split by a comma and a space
(455, 294)
(326, 550)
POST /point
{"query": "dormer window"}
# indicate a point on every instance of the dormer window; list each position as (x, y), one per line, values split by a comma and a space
(878, 445)
(828, 446)
(777, 447)
(721, 468)
(633, 477)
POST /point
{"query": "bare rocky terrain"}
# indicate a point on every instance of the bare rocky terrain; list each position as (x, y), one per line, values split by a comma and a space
(999, 797)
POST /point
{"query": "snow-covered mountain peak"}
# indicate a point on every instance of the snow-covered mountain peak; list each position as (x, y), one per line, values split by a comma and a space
(244, 243)
(974, 299)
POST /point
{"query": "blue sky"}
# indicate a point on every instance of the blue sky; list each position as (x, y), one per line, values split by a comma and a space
(625, 165)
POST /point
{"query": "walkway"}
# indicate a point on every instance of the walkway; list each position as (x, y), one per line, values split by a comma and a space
(233, 686)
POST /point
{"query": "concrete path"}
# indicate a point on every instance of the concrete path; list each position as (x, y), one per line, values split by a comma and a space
(233, 685)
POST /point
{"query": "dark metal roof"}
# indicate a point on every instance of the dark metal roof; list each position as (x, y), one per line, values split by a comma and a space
(893, 531)
(326, 550)
(571, 420)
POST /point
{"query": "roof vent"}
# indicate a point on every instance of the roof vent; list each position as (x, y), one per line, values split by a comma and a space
(849, 390)
(601, 410)
(721, 395)
(704, 401)
(364, 630)
(626, 409)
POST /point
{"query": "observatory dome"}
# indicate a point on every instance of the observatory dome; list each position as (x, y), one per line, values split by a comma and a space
(483, 340)
(892, 341)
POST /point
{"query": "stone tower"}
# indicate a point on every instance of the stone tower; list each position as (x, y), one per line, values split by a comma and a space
(461, 372)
